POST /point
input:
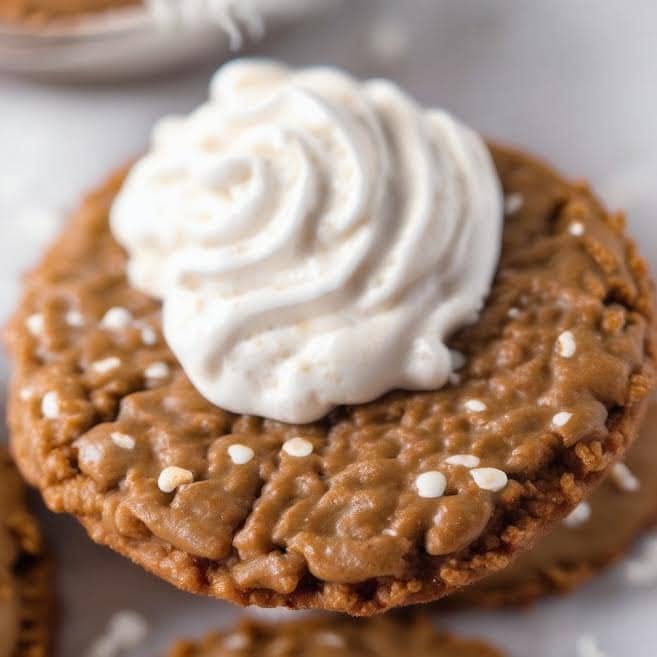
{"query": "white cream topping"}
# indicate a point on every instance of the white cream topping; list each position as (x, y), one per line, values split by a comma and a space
(314, 239)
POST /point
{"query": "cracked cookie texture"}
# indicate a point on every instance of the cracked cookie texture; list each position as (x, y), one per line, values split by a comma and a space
(335, 514)
(25, 586)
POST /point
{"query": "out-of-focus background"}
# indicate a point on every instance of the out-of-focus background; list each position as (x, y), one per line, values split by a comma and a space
(575, 82)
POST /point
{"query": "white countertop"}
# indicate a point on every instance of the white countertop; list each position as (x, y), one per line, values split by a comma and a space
(573, 81)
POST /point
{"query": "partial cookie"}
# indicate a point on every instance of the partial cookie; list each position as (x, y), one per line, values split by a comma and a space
(386, 636)
(558, 370)
(48, 10)
(596, 534)
(25, 594)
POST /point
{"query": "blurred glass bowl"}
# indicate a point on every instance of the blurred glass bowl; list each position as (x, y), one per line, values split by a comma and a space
(127, 42)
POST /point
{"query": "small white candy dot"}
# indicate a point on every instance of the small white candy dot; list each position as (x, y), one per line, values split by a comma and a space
(158, 370)
(466, 460)
(431, 484)
(172, 476)
(513, 312)
(26, 393)
(74, 318)
(576, 228)
(489, 478)
(34, 324)
(50, 405)
(298, 447)
(578, 516)
(624, 478)
(240, 454)
(122, 440)
(106, 364)
(148, 336)
(561, 419)
(475, 405)
(235, 642)
(566, 345)
(116, 318)
(513, 203)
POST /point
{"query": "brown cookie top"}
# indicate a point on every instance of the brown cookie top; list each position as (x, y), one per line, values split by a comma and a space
(385, 636)
(557, 371)
(598, 533)
(24, 581)
(47, 10)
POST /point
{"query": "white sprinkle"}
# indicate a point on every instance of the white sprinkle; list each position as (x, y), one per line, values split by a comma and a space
(240, 454)
(106, 364)
(389, 532)
(330, 639)
(172, 476)
(576, 228)
(642, 571)
(124, 632)
(90, 453)
(513, 203)
(74, 318)
(236, 642)
(34, 324)
(122, 440)
(116, 318)
(561, 419)
(578, 516)
(50, 405)
(431, 484)
(489, 478)
(587, 646)
(148, 336)
(566, 345)
(466, 460)
(298, 447)
(475, 405)
(624, 478)
(157, 370)
(513, 312)
(26, 393)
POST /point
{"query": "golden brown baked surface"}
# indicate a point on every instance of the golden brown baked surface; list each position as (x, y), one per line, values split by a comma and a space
(344, 527)
(47, 10)
(569, 556)
(384, 636)
(25, 597)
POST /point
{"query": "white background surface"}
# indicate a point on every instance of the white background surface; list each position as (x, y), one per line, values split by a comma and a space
(573, 80)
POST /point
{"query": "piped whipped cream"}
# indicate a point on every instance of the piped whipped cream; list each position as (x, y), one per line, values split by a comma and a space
(314, 239)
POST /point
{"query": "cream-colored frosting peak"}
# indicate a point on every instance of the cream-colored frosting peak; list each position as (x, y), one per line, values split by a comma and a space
(314, 239)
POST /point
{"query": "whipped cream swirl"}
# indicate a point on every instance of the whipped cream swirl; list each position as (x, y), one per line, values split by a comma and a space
(314, 239)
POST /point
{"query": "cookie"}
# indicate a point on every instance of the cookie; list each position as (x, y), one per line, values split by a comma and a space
(384, 636)
(597, 534)
(25, 594)
(558, 370)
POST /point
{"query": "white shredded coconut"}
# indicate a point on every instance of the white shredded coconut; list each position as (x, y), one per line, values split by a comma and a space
(513, 203)
(125, 631)
(578, 516)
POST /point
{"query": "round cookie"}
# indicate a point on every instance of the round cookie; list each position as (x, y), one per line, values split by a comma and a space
(385, 636)
(25, 598)
(558, 370)
(618, 511)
